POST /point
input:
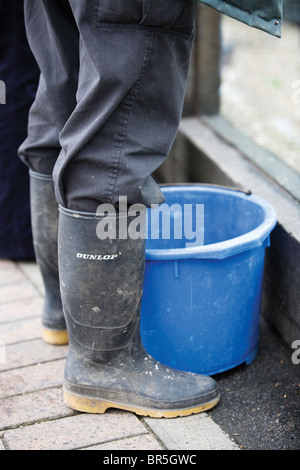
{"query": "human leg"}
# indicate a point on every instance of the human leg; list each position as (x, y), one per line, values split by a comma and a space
(133, 69)
(47, 22)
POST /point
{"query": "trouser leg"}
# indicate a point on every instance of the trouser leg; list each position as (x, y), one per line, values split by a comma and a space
(53, 38)
(133, 61)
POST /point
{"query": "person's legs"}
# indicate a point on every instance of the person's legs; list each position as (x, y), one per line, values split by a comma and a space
(114, 131)
(134, 59)
(54, 38)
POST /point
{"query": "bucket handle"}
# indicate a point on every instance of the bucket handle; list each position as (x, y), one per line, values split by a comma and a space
(248, 192)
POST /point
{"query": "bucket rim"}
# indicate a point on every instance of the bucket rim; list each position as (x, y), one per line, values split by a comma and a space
(221, 250)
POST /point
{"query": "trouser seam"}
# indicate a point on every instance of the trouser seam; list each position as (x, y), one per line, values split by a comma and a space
(147, 28)
(126, 111)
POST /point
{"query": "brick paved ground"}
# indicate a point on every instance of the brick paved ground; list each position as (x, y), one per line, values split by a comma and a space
(32, 413)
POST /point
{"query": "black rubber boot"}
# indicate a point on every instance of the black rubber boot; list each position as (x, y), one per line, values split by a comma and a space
(107, 365)
(44, 221)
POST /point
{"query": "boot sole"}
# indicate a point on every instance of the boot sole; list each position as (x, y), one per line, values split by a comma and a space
(89, 405)
(55, 337)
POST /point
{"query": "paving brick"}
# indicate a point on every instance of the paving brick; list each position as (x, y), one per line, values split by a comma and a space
(24, 330)
(25, 409)
(11, 274)
(30, 353)
(144, 442)
(17, 291)
(79, 431)
(30, 379)
(6, 264)
(33, 274)
(196, 432)
(2, 445)
(20, 310)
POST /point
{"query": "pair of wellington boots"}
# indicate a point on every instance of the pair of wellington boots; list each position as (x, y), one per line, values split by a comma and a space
(93, 291)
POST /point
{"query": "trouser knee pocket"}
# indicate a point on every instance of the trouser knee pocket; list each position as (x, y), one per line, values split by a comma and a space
(168, 14)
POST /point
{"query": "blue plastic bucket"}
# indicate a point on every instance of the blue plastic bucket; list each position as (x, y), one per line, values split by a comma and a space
(202, 297)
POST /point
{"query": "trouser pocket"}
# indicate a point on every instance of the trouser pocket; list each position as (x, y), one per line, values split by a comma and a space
(178, 14)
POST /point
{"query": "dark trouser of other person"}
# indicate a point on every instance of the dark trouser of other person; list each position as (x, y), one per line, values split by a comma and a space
(19, 76)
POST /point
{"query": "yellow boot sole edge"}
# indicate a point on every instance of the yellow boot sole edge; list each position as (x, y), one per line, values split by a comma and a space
(55, 337)
(89, 405)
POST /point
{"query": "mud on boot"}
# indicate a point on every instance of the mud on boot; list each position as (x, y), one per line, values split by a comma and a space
(44, 221)
(107, 365)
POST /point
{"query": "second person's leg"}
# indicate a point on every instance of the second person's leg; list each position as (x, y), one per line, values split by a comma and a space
(54, 39)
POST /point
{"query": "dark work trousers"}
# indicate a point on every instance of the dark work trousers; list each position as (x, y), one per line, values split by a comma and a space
(110, 97)
(20, 74)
